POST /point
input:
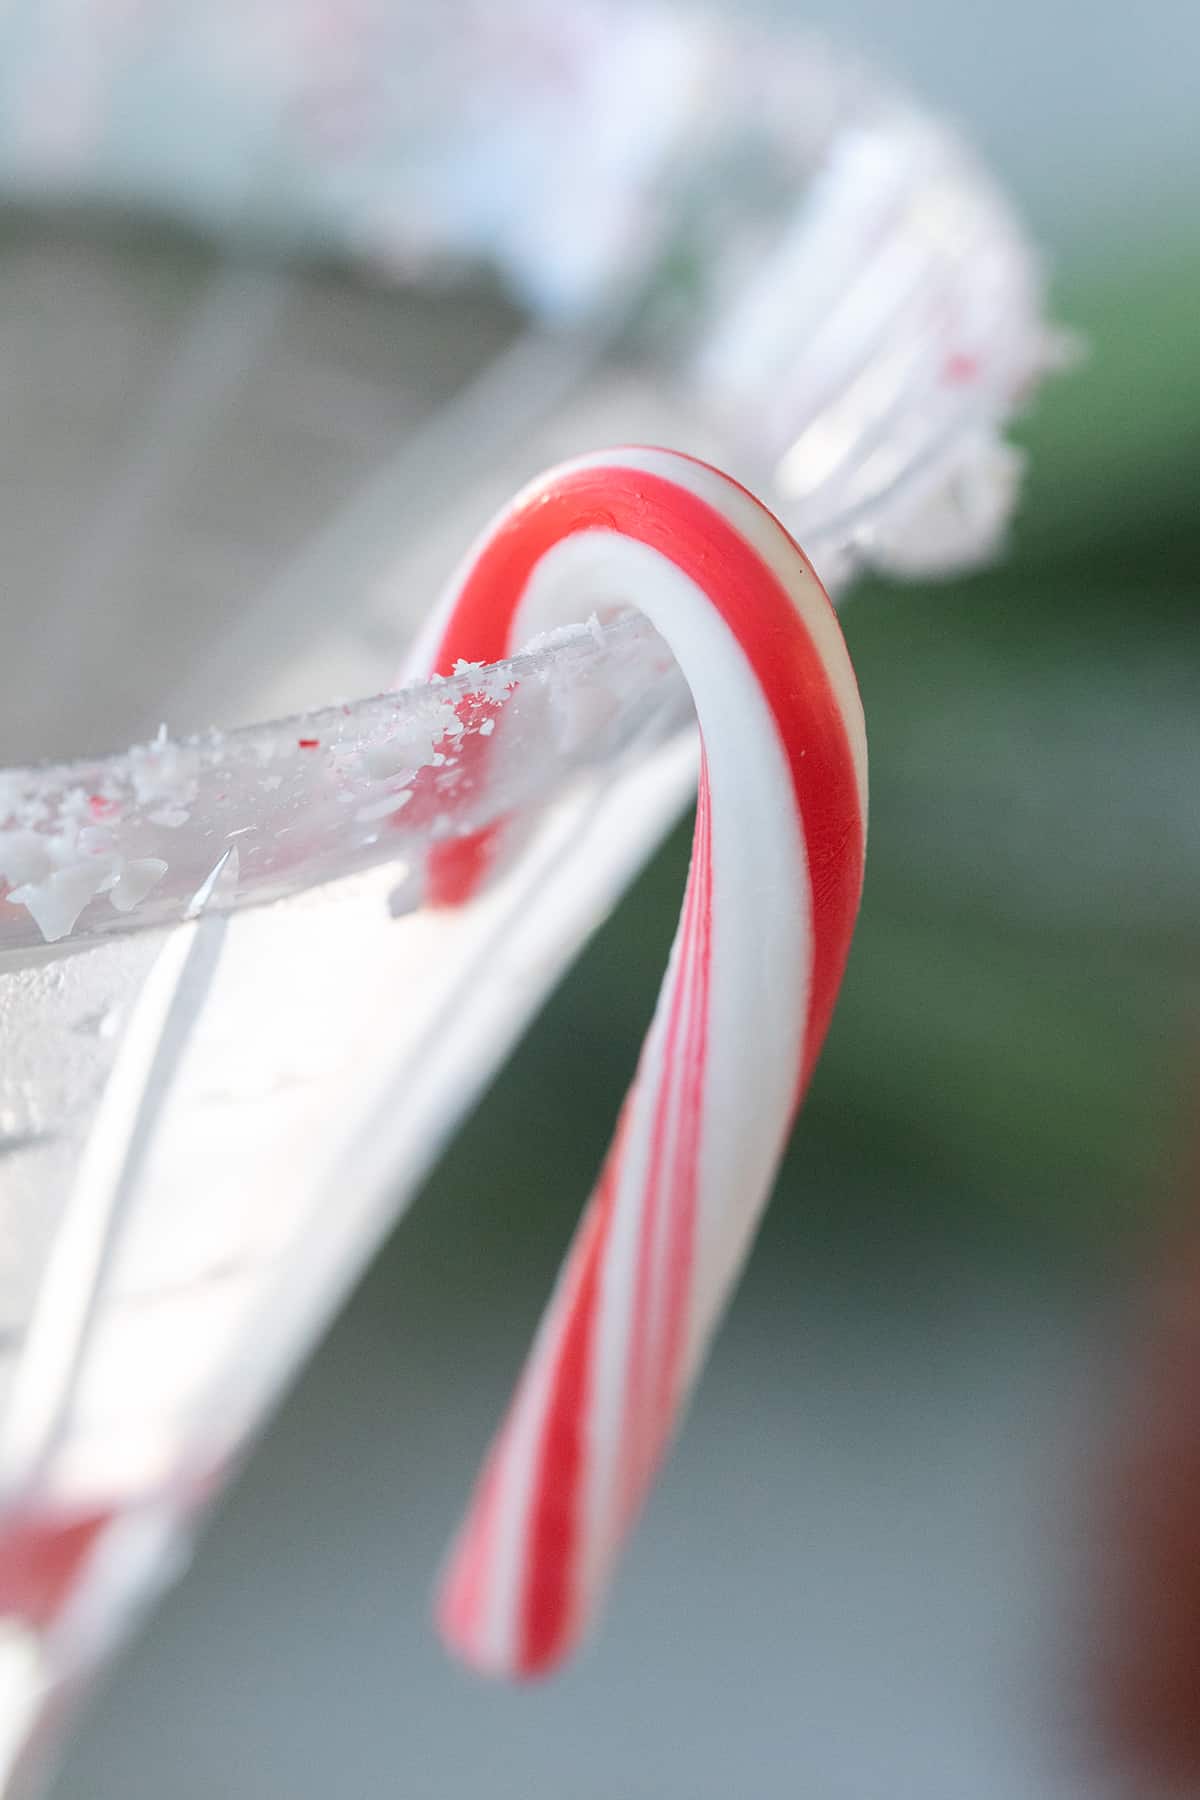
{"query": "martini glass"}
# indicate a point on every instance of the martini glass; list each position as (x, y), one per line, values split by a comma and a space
(232, 1035)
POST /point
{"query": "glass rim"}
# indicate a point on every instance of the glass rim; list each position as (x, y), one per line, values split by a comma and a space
(126, 841)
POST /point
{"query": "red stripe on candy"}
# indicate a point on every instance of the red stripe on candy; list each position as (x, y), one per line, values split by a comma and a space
(745, 593)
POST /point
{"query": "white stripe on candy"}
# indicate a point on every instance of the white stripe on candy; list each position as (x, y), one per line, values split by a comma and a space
(767, 918)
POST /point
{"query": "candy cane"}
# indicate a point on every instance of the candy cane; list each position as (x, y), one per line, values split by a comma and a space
(771, 899)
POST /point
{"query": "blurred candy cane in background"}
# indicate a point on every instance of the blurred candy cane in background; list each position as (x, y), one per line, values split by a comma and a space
(1144, 1638)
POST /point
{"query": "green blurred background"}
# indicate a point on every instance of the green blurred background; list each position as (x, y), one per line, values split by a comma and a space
(866, 1573)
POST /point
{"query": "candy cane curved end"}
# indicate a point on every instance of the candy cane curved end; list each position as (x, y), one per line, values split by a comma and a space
(770, 904)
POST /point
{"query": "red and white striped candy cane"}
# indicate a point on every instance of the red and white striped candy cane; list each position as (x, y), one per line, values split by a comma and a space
(771, 899)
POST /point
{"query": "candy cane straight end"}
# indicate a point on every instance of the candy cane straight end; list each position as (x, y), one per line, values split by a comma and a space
(763, 936)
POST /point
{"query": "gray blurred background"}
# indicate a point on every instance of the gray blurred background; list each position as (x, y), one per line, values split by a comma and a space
(869, 1571)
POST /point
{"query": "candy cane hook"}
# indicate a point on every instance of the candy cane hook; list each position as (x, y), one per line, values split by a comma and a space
(754, 970)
